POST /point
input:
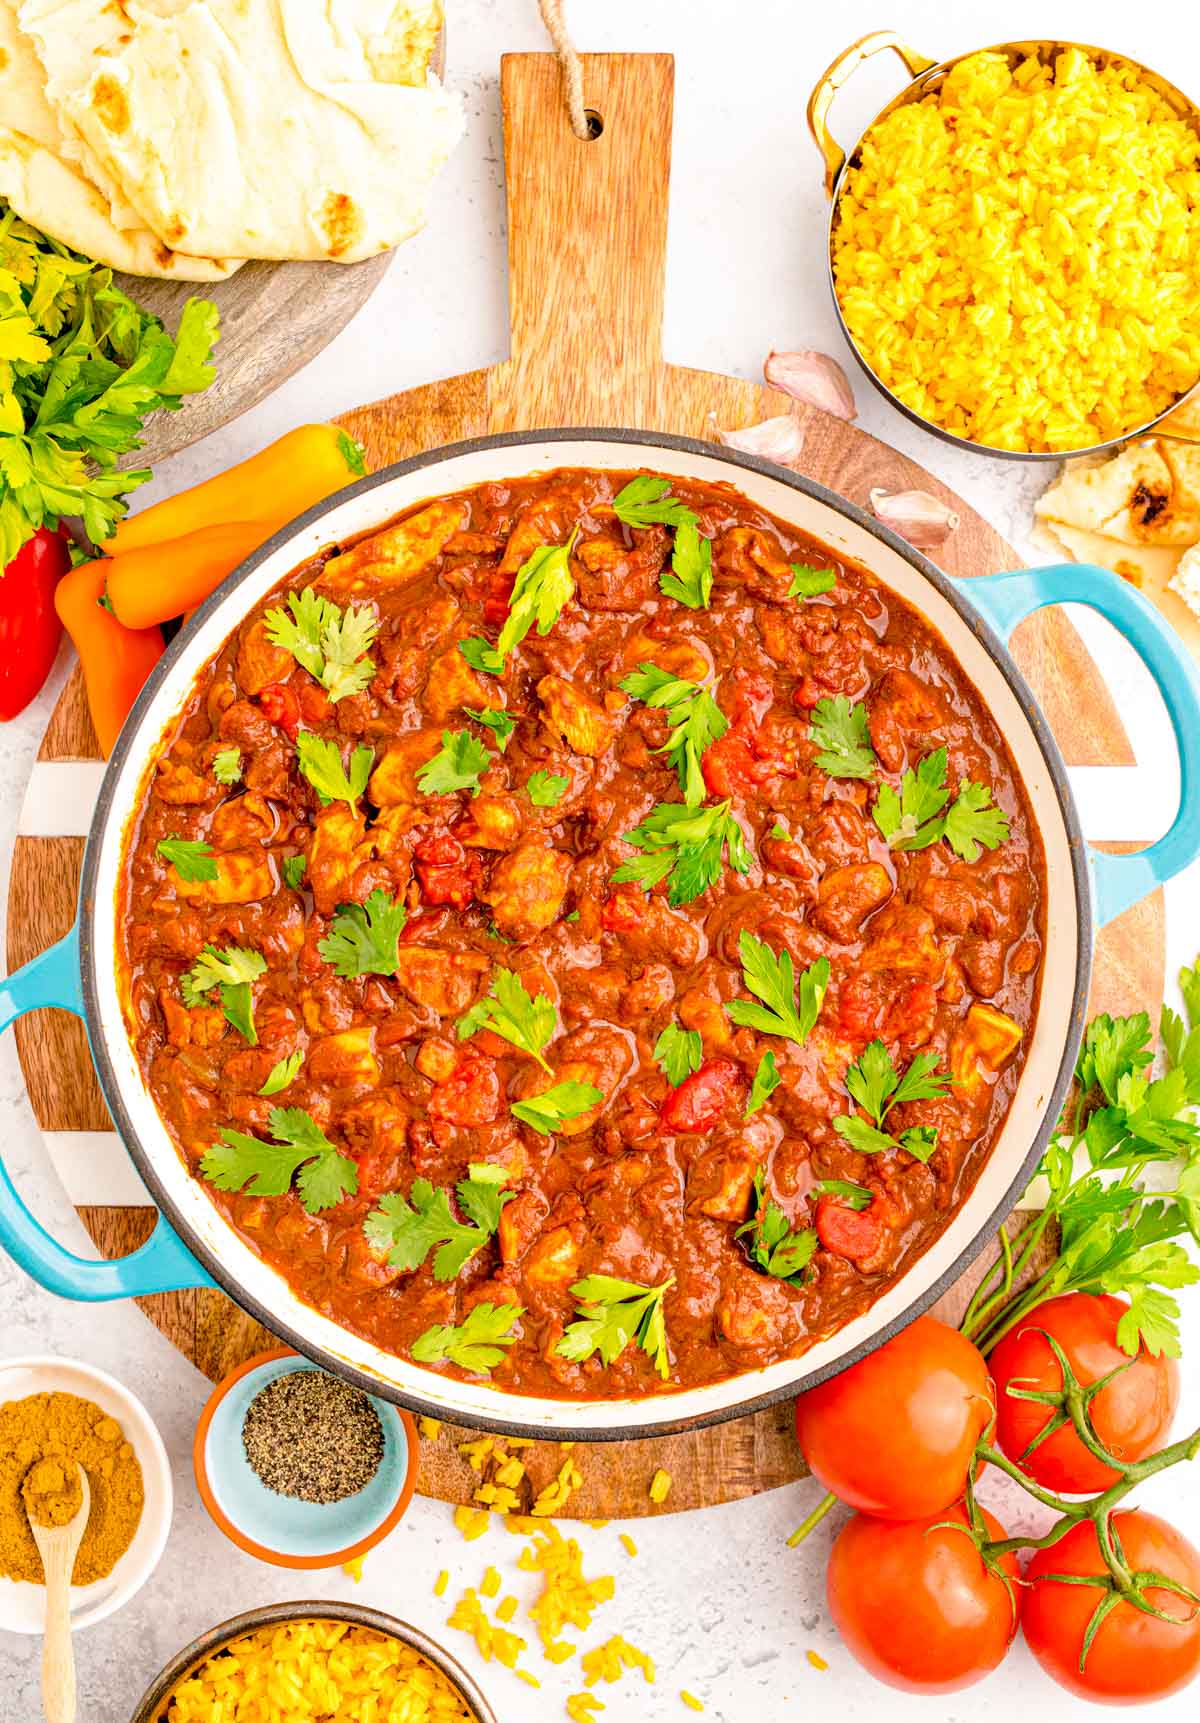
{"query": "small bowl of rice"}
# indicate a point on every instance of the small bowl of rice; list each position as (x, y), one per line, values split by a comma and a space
(1014, 245)
(296, 1662)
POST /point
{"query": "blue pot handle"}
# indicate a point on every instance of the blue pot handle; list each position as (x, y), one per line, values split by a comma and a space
(1004, 600)
(163, 1263)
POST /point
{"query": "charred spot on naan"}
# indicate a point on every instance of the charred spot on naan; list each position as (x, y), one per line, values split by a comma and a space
(341, 222)
(111, 104)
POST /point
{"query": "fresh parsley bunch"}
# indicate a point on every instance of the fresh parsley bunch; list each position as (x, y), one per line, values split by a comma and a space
(81, 368)
(1114, 1236)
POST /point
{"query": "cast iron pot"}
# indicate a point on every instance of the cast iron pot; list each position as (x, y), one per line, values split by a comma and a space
(152, 1705)
(193, 1244)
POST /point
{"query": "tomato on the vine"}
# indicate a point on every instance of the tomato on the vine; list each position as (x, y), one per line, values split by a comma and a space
(1133, 1655)
(916, 1604)
(894, 1433)
(1131, 1415)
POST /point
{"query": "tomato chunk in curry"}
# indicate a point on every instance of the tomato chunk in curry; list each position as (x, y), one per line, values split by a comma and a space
(774, 1066)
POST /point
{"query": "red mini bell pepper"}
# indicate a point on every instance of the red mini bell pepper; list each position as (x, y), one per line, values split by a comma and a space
(29, 626)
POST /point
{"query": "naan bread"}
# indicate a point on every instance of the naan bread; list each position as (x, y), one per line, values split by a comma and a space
(1137, 513)
(45, 186)
(255, 128)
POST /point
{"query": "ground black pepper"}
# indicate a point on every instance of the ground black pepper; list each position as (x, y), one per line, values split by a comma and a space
(312, 1436)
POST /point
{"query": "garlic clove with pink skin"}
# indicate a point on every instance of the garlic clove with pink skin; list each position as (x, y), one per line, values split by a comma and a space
(813, 378)
(924, 520)
(780, 439)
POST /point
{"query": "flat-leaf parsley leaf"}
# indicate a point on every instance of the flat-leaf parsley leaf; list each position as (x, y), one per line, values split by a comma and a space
(527, 1020)
(192, 859)
(321, 762)
(612, 1313)
(477, 1343)
(679, 1052)
(364, 938)
(685, 845)
(772, 979)
(240, 1162)
(695, 718)
(456, 766)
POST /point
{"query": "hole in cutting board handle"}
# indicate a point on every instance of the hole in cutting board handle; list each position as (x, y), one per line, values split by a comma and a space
(595, 124)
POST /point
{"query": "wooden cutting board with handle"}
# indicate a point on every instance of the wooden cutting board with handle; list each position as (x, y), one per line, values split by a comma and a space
(587, 257)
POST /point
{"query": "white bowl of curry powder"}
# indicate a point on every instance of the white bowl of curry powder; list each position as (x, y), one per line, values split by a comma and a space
(53, 1410)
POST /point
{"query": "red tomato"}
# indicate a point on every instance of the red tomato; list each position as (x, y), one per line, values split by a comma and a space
(808, 693)
(730, 768)
(623, 911)
(915, 1604)
(446, 873)
(1134, 1656)
(470, 1095)
(30, 629)
(700, 1099)
(853, 1233)
(281, 707)
(314, 703)
(1131, 1416)
(894, 1434)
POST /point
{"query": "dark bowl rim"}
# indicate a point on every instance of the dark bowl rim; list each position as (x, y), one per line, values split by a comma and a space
(149, 1707)
(506, 1419)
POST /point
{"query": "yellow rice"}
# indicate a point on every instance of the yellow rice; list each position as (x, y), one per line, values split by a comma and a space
(1017, 256)
(316, 1669)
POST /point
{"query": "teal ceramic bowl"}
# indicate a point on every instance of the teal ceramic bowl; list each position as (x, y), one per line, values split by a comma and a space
(280, 1529)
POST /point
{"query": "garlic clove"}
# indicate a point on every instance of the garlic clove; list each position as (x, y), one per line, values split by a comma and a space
(779, 439)
(924, 520)
(813, 378)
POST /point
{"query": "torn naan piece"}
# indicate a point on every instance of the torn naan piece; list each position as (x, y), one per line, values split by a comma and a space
(255, 128)
(1138, 514)
(47, 187)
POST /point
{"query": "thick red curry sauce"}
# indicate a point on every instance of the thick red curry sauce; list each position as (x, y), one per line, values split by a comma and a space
(929, 953)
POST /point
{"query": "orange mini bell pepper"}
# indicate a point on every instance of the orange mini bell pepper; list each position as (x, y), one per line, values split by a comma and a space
(157, 581)
(116, 660)
(272, 487)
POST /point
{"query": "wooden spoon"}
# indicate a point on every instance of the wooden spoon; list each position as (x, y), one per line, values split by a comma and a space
(57, 1546)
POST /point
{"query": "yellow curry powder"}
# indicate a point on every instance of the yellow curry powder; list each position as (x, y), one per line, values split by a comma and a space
(41, 1439)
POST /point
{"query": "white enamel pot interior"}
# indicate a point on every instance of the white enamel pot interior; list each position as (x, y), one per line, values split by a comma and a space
(850, 534)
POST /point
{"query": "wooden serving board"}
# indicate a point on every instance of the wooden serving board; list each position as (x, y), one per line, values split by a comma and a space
(587, 246)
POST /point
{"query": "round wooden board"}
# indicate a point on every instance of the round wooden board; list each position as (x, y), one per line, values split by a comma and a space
(275, 317)
(586, 252)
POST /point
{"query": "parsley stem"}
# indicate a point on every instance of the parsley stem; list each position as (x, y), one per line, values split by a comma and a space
(812, 1521)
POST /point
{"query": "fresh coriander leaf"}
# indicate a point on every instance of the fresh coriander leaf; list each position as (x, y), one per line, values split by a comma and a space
(645, 501)
(405, 1231)
(909, 821)
(544, 1113)
(685, 845)
(695, 718)
(477, 1343)
(862, 1136)
(841, 733)
(456, 766)
(920, 1141)
(526, 1020)
(321, 762)
(772, 979)
(1113, 1048)
(780, 831)
(850, 1195)
(227, 765)
(679, 1052)
(482, 1196)
(810, 582)
(301, 1149)
(1189, 986)
(283, 1074)
(213, 968)
(364, 938)
(774, 1247)
(1152, 1321)
(544, 585)
(691, 576)
(499, 723)
(766, 1081)
(237, 1003)
(920, 1082)
(353, 454)
(611, 1313)
(294, 870)
(974, 822)
(192, 859)
(1172, 1035)
(331, 644)
(573, 916)
(480, 656)
(546, 789)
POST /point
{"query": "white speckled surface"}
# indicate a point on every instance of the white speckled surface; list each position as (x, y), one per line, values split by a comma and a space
(715, 1597)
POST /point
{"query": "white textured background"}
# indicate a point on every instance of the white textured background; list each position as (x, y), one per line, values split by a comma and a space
(715, 1597)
